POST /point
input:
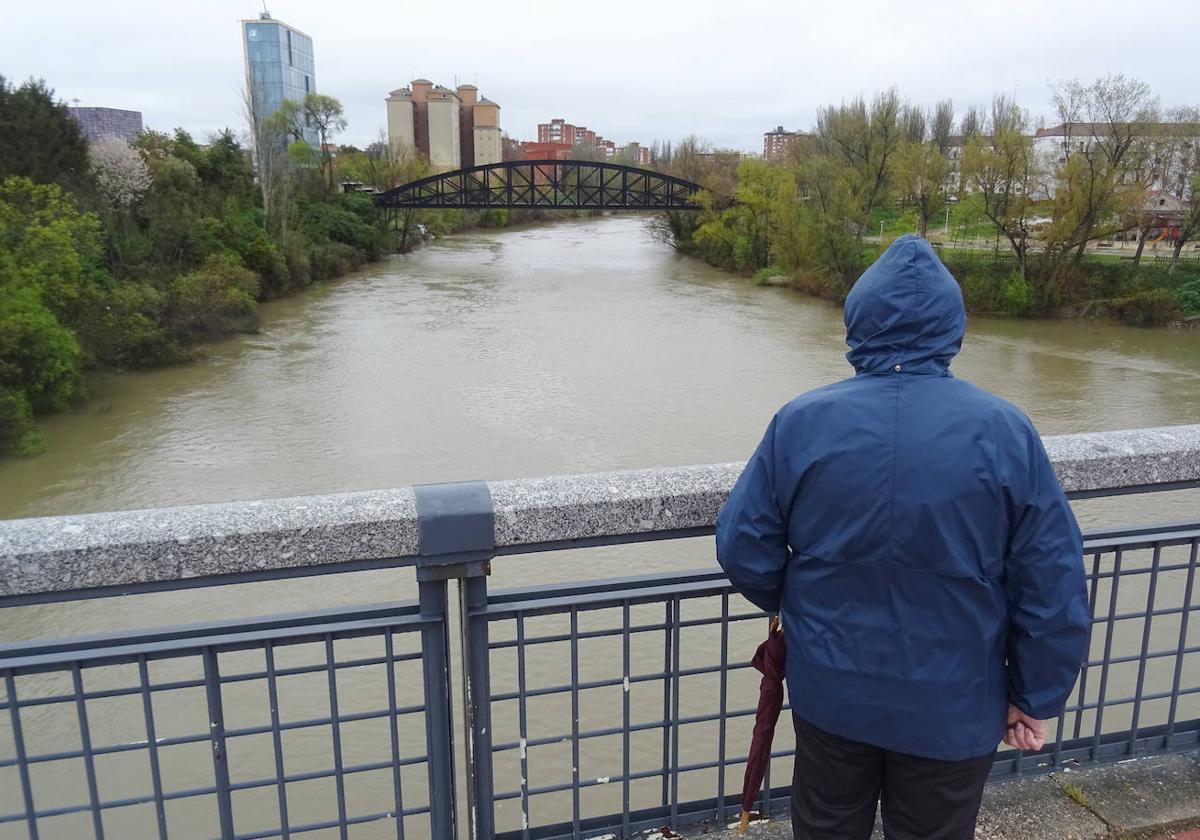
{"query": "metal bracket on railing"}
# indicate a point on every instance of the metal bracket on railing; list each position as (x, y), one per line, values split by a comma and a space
(457, 527)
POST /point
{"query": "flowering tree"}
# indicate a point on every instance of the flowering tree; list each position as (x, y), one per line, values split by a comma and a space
(120, 172)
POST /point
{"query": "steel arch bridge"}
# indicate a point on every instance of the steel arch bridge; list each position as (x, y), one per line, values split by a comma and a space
(545, 184)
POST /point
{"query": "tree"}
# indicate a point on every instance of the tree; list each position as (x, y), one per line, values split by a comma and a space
(941, 125)
(48, 245)
(1103, 123)
(1184, 177)
(38, 137)
(120, 172)
(270, 164)
(864, 139)
(322, 113)
(921, 171)
(1002, 170)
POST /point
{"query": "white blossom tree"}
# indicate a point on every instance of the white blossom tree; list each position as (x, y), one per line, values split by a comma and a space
(121, 174)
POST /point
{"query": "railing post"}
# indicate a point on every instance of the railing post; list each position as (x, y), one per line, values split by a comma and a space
(216, 721)
(457, 528)
(477, 705)
(439, 734)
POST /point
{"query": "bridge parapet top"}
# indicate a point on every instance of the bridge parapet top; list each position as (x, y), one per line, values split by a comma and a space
(107, 553)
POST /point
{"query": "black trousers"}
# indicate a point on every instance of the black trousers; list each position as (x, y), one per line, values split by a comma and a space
(838, 783)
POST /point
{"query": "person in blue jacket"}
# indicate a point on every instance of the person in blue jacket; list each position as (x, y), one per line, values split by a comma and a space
(910, 531)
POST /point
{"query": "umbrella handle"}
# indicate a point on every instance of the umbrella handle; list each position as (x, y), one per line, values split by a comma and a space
(743, 823)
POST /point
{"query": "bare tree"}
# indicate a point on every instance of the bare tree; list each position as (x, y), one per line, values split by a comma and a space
(864, 139)
(1185, 176)
(920, 172)
(1094, 193)
(270, 165)
(913, 125)
(972, 122)
(941, 125)
(1002, 170)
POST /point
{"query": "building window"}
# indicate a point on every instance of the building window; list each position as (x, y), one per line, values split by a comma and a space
(289, 33)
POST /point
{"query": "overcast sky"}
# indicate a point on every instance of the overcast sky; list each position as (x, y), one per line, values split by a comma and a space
(630, 69)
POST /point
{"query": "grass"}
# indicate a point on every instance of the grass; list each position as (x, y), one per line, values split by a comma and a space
(1075, 792)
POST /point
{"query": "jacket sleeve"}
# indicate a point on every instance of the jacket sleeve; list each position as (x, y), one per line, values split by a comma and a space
(1046, 592)
(752, 532)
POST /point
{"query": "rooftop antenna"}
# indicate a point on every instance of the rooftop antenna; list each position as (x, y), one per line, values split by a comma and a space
(265, 14)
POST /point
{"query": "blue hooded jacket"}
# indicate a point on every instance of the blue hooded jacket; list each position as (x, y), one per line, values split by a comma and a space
(910, 529)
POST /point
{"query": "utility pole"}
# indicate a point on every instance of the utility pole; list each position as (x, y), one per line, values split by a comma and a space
(946, 231)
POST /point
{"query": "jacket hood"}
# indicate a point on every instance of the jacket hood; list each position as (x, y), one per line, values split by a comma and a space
(907, 311)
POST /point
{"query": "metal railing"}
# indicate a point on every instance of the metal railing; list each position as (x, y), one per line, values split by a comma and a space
(599, 707)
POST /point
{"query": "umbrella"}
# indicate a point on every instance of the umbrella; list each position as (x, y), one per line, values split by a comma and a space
(769, 660)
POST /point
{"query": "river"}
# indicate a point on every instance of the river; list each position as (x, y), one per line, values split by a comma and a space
(580, 346)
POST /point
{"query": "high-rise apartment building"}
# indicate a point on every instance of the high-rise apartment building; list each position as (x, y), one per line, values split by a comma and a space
(108, 122)
(279, 66)
(557, 130)
(777, 143)
(454, 129)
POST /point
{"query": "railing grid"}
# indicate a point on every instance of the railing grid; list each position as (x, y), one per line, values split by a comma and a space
(270, 728)
(1138, 692)
(607, 731)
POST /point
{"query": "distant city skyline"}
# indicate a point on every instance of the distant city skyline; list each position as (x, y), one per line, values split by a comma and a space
(661, 71)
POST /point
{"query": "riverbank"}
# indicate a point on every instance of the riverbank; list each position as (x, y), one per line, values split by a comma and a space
(1112, 290)
(1152, 798)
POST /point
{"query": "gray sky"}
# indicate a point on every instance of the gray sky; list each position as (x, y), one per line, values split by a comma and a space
(630, 69)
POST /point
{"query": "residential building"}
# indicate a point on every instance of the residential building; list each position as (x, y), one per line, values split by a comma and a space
(588, 143)
(777, 144)
(453, 129)
(279, 66)
(108, 122)
(444, 111)
(1159, 146)
(584, 136)
(557, 130)
(486, 141)
(546, 151)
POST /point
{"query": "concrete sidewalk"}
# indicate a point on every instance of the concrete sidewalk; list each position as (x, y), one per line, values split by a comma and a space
(1148, 798)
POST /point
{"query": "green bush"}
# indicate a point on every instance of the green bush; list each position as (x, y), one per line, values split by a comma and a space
(127, 328)
(260, 255)
(496, 218)
(333, 259)
(764, 276)
(1016, 295)
(338, 224)
(40, 359)
(18, 434)
(1188, 295)
(295, 255)
(1148, 308)
(216, 299)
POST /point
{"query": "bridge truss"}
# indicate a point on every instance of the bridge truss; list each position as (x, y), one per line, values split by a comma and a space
(546, 184)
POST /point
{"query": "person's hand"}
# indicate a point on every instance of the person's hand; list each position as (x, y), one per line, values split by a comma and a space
(1024, 732)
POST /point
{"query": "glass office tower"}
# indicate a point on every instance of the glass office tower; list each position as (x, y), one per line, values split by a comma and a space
(279, 66)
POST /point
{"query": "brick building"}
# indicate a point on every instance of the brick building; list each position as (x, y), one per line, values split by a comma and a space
(778, 143)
